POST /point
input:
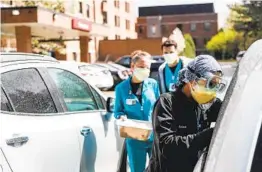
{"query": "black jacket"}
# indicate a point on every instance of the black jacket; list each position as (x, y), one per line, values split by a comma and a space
(181, 130)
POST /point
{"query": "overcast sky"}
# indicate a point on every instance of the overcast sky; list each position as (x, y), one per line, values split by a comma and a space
(220, 6)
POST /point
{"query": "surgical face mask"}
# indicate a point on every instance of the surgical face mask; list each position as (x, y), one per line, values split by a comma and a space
(171, 58)
(201, 94)
(141, 73)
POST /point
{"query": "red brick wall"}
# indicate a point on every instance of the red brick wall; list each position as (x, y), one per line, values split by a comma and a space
(171, 22)
(118, 48)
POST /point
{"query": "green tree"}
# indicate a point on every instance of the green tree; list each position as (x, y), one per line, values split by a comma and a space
(55, 5)
(44, 48)
(246, 18)
(224, 43)
(190, 49)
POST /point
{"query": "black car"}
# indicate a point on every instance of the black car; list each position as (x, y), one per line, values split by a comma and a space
(156, 62)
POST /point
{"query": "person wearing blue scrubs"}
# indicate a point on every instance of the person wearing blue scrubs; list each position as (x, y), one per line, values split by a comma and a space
(135, 99)
(168, 71)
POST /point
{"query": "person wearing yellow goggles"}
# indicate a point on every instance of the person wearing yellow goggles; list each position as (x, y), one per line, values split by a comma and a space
(181, 120)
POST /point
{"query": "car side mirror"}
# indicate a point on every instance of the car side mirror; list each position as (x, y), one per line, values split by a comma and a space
(110, 104)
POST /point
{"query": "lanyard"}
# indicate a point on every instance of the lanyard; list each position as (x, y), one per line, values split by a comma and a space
(131, 93)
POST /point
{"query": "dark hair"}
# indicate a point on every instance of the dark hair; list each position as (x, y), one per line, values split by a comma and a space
(168, 43)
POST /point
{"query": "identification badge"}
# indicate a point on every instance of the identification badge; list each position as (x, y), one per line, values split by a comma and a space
(172, 87)
(130, 101)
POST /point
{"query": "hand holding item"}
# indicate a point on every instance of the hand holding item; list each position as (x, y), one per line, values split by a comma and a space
(123, 117)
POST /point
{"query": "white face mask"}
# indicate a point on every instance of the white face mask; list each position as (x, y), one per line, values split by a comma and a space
(171, 58)
(141, 73)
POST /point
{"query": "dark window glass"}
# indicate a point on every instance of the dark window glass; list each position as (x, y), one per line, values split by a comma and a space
(5, 105)
(80, 7)
(87, 11)
(257, 159)
(104, 17)
(76, 93)
(28, 91)
(193, 27)
(140, 29)
(100, 100)
(207, 26)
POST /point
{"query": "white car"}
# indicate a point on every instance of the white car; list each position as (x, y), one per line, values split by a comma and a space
(99, 76)
(52, 120)
(236, 145)
(240, 55)
(95, 75)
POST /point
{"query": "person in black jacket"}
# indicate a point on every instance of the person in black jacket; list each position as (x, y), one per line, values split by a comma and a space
(181, 119)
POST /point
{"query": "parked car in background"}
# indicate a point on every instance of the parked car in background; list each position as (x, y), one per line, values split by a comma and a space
(239, 56)
(100, 76)
(95, 75)
(53, 120)
(118, 72)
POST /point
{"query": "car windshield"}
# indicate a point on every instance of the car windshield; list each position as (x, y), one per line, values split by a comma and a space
(236, 90)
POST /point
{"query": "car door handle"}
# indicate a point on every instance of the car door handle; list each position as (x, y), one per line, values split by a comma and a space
(86, 131)
(17, 141)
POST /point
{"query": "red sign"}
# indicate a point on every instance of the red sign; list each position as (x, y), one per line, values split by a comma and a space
(81, 24)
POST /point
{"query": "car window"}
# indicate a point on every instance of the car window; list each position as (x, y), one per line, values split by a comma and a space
(28, 91)
(100, 100)
(125, 61)
(5, 104)
(76, 92)
(257, 159)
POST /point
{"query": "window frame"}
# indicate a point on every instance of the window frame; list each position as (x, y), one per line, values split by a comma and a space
(10, 105)
(207, 28)
(193, 27)
(49, 86)
(61, 99)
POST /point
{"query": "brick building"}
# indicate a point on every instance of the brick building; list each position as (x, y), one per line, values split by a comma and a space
(80, 27)
(199, 20)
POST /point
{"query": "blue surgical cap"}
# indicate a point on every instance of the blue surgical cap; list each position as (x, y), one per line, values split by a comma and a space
(203, 66)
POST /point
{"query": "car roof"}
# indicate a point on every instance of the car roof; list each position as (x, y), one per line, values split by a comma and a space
(16, 58)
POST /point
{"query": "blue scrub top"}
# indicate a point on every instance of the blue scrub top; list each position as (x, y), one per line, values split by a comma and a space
(172, 77)
(136, 110)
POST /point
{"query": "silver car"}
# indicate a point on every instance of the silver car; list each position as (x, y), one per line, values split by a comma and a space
(52, 120)
(236, 145)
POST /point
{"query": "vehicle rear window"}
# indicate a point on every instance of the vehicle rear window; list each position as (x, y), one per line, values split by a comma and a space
(28, 91)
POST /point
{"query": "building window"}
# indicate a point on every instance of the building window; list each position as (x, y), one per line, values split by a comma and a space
(127, 7)
(153, 29)
(117, 21)
(87, 11)
(127, 25)
(74, 56)
(117, 37)
(180, 26)
(104, 14)
(140, 29)
(116, 4)
(207, 26)
(80, 7)
(193, 27)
